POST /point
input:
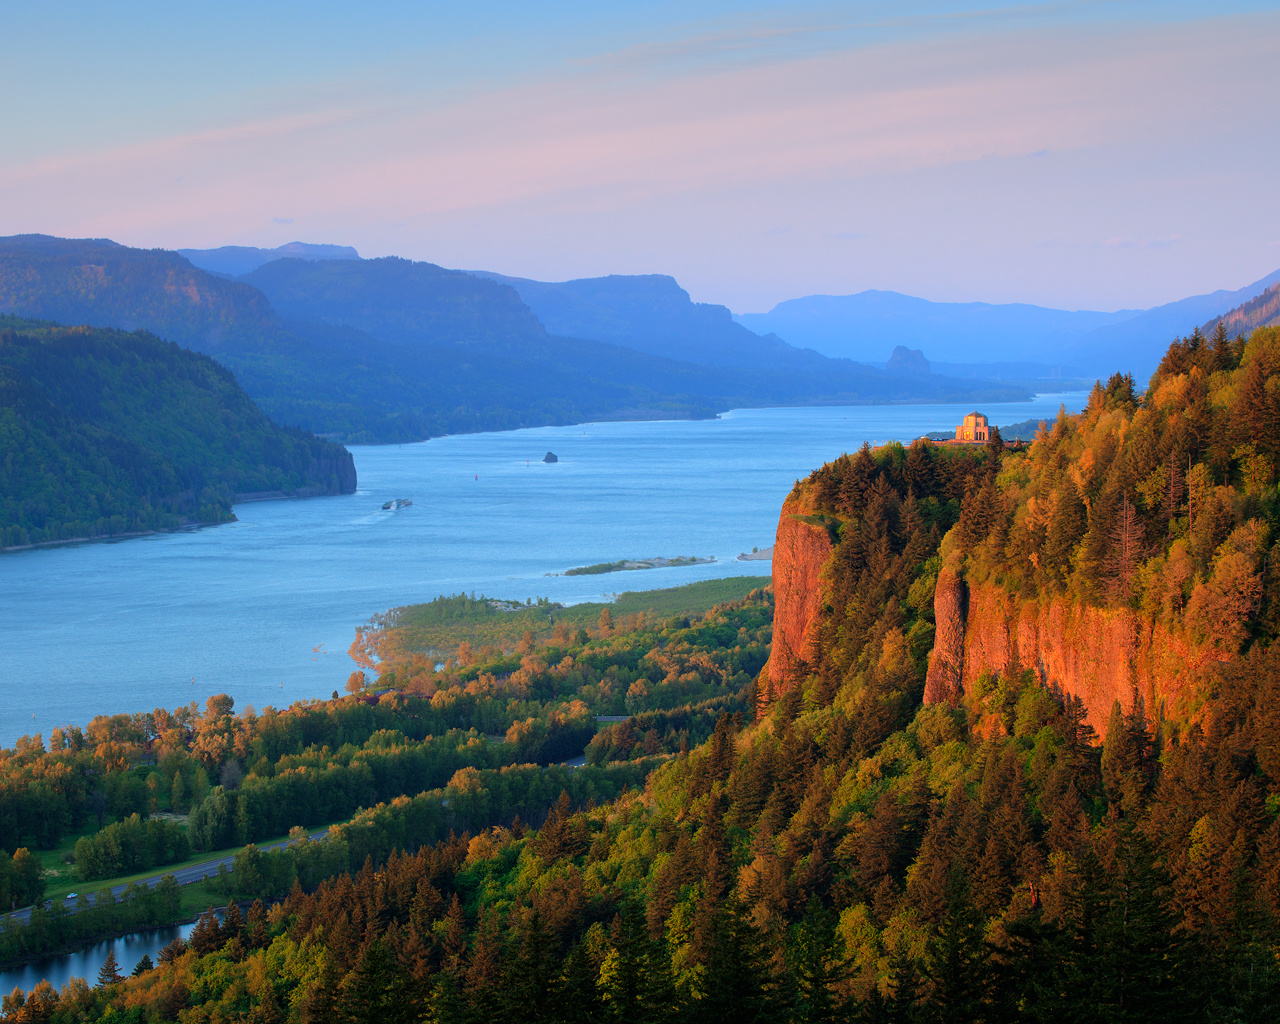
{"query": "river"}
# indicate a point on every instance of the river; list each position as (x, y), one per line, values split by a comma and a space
(264, 608)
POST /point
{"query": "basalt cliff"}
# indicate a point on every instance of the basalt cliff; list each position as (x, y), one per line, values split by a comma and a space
(1122, 559)
(800, 550)
(1101, 655)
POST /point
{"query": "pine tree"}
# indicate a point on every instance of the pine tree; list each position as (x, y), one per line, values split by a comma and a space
(530, 973)
(958, 964)
(1256, 412)
(815, 967)
(109, 972)
(995, 450)
(1126, 550)
(232, 923)
(319, 1004)
(374, 989)
(574, 991)
(206, 936)
(732, 986)
(633, 971)
(1066, 527)
(484, 969)
(143, 965)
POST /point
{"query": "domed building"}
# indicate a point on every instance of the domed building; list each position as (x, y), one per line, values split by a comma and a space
(974, 428)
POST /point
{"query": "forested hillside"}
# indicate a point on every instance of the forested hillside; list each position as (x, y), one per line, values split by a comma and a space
(857, 838)
(105, 433)
(1261, 311)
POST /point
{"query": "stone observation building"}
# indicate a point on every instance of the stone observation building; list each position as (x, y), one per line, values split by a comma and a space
(974, 428)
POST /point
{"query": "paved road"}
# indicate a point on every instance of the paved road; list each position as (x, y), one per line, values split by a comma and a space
(185, 876)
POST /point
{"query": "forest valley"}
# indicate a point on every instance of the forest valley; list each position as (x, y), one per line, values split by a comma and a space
(814, 841)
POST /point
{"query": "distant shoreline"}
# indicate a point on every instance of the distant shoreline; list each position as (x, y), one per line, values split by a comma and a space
(108, 536)
(240, 499)
(633, 564)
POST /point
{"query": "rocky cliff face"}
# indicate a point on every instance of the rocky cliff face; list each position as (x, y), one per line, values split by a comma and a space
(333, 471)
(944, 682)
(799, 553)
(1097, 654)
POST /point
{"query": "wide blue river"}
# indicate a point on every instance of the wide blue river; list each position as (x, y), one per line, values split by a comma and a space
(264, 609)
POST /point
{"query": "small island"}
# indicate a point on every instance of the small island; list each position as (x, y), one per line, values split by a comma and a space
(628, 564)
(757, 555)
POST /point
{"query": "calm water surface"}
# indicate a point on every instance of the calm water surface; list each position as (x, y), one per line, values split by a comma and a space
(264, 609)
(84, 963)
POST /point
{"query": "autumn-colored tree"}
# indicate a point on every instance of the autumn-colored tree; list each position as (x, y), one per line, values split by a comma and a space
(1126, 550)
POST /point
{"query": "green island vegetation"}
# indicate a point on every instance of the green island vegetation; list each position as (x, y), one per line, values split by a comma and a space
(489, 626)
(629, 564)
(836, 848)
(104, 433)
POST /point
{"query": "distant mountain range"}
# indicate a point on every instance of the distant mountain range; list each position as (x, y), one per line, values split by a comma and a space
(390, 350)
(234, 260)
(1051, 342)
(1013, 342)
(652, 313)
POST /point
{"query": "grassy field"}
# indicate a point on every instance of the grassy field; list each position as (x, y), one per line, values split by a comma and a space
(438, 627)
(57, 871)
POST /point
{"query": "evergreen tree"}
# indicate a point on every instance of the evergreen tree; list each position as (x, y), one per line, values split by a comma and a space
(374, 989)
(732, 988)
(815, 967)
(575, 999)
(1126, 550)
(634, 972)
(109, 972)
(1066, 527)
(530, 973)
(958, 963)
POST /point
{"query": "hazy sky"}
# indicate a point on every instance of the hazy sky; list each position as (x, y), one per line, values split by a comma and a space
(1087, 155)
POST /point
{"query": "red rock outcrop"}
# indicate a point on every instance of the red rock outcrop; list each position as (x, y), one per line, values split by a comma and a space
(799, 553)
(1097, 654)
(944, 681)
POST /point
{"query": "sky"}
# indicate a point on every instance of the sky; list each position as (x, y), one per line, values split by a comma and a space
(1083, 155)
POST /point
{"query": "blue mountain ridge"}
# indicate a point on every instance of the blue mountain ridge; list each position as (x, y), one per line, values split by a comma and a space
(867, 326)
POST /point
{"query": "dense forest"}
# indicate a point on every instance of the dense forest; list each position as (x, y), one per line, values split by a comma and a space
(845, 850)
(104, 432)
